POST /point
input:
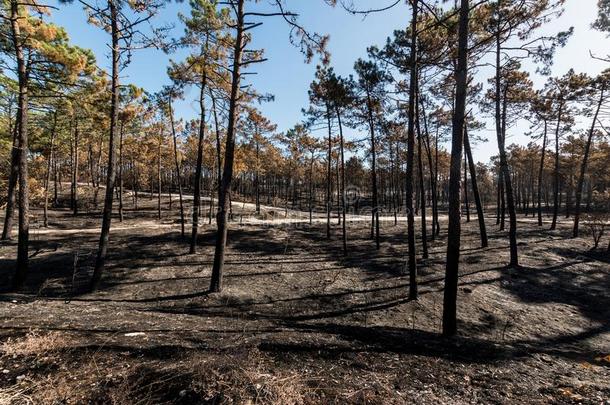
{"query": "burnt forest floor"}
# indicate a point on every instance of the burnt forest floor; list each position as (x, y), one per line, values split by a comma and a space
(297, 322)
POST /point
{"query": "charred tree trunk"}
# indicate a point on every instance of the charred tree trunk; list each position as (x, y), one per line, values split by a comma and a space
(432, 174)
(329, 172)
(585, 159)
(466, 202)
(311, 188)
(49, 167)
(56, 181)
(159, 188)
(343, 191)
(256, 179)
(75, 171)
(111, 175)
(121, 217)
(501, 105)
(227, 176)
(375, 210)
(394, 203)
(338, 181)
(198, 168)
(435, 220)
(556, 172)
(218, 145)
(22, 158)
(454, 232)
(411, 262)
(540, 172)
(12, 183)
(422, 194)
(475, 190)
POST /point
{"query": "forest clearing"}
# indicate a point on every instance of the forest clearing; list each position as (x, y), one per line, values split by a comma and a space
(316, 202)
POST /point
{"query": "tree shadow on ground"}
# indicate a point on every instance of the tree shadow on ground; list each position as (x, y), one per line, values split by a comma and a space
(57, 267)
(385, 339)
(563, 284)
(61, 266)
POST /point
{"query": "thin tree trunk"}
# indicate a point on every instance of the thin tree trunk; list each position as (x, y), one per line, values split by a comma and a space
(56, 182)
(22, 142)
(121, 172)
(570, 181)
(475, 190)
(343, 191)
(170, 185)
(199, 167)
(75, 171)
(49, 166)
(502, 195)
(412, 263)
(256, 178)
(454, 231)
(540, 172)
(227, 176)
(556, 173)
(338, 191)
(432, 174)
(111, 176)
(177, 165)
(12, 185)
(310, 189)
(393, 183)
(329, 173)
(501, 137)
(466, 202)
(218, 146)
(436, 179)
(420, 166)
(375, 211)
(585, 159)
(159, 188)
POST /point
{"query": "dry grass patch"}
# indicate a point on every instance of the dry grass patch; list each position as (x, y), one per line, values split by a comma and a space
(36, 343)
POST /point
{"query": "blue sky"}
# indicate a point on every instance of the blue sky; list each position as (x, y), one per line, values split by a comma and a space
(287, 76)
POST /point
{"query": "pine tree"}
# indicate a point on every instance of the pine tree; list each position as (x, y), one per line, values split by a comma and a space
(42, 53)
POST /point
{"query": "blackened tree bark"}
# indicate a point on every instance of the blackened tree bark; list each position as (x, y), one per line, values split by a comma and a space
(256, 175)
(556, 179)
(159, 188)
(329, 197)
(411, 261)
(75, 171)
(51, 158)
(541, 171)
(218, 145)
(432, 174)
(466, 202)
(199, 167)
(475, 190)
(12, 180)
(585, 159)
(311, 162)
(224, 201)
(375, 210)
(422, 194)
(342, 185)
(501, 137)
(121, 130)
(111, 175)
(12, 187)
(436, 179)
(454, 231)
(22, 144)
